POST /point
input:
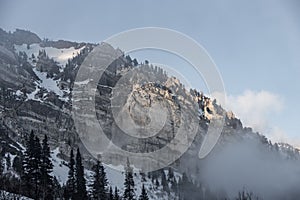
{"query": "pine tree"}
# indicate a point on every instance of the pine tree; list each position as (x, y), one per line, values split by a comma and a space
(31, 166)
(57, 189)
(110, 195)
(28, 162)
(164, 182)
(37, 166)
(174, 186)
(8, 162)
(1, 166)
(156, 183)
(170, 174)
(70, 185)
(80, 181)
(143, 175)
(129, 183)
(144, 195)
(116, 194)
(99, 185)
(46, 170)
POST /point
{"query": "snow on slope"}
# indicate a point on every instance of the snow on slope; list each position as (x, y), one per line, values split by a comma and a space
(49, 84)
(59, 55)
(32, 95)
(60, 170)
(115, 178)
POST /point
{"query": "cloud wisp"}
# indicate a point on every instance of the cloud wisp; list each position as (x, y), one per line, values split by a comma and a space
(256, 110)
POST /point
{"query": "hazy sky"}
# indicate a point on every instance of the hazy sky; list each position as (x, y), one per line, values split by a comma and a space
(255, 44)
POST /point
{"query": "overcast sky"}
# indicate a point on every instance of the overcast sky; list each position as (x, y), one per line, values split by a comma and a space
(255, 44)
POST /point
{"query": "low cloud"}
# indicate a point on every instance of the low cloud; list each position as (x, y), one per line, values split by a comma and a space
(255, 109)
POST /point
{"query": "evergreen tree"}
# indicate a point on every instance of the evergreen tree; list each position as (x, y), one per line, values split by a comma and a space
(17, 165)
(8, 162)
(99, 185)
(57, 189)
(1, 165)
(110, 195)
(1, 171)
(31, 166)
(164, 182)
(143, 175)
(28, 162)
(170, 174)
(80, 181)
(174, 186)
(37, 166)
(70, 184)
(116, 194)
(46, 170)
(129, 183)
(156, 183)
(144, 195)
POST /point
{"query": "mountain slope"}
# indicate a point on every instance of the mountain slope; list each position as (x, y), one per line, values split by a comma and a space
(36, 81)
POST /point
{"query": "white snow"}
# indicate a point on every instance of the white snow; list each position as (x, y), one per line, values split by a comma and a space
(59, 55)
(59, 169)
(32, 95)
(18, 93)
(115, 176)
(48, 83)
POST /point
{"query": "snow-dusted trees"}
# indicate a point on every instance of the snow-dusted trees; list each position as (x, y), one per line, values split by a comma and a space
(80, 181)
(31, 164)
(37, 165)
(46, 170)
(70, 184)
(75, 188)
(116, 194)
(144, 195)
(99, 182)
(129, 193)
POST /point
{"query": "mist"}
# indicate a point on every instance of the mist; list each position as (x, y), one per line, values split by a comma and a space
(251, 166)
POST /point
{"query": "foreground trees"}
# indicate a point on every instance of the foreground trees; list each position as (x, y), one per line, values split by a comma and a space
(37, 168)
(75, 188)
(129, 193)
(99, 184)
(144, 195)
(35, 180)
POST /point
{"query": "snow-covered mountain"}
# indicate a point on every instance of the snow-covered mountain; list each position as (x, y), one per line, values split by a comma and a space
(36, 82)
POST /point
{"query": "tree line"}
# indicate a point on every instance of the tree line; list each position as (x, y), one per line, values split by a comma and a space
(35, 177)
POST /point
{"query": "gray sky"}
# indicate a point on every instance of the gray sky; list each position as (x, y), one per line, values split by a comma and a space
(255, 44)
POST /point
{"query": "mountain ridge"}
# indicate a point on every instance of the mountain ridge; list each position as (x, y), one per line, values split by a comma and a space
(37, 78)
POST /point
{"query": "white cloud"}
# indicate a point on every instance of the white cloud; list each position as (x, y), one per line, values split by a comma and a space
(255, 109)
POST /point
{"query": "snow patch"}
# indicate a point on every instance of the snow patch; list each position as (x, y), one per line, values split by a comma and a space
(60, 170)
(48, 83)
(32, 95)
(59, 55)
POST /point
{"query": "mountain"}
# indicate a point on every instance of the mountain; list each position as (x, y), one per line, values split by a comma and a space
(37, 81)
